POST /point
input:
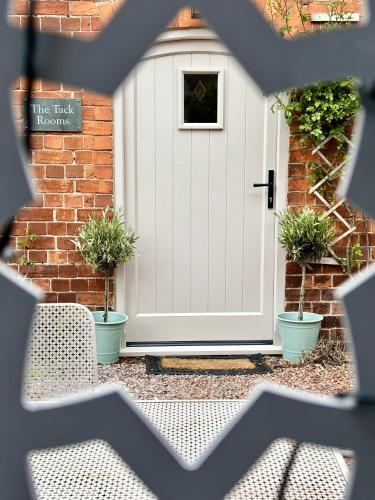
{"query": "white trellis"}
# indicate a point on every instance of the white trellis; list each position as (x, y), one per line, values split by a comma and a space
(332, 207)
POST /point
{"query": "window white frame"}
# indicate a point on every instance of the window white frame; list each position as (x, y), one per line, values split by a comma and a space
(220, 98)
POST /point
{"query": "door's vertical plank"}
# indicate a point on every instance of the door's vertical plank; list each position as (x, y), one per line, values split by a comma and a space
(146, 185)
(235, 186)
(218, 201)
(131, 267)
(255, 200)
(199, 208)
(181, 200)
(268, 228)
(164, 183)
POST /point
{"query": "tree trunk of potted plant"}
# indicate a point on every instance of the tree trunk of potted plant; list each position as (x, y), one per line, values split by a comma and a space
(306, 235)
(105, 244)
(301, 302)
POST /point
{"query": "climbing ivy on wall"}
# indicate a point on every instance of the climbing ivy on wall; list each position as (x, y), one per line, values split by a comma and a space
(321, 111)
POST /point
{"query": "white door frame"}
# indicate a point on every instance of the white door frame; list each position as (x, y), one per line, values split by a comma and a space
(190, 41)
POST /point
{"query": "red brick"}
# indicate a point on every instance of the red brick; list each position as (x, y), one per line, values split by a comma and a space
(84, 270)
(102, 142)
(94, 186)
(74, 171)
(67, 271)
(48, 85)
(65, 244)
(60, 285)
(103, 200)
(83, 8)
(43, 243)
(18, 228)
(97, 128)
(66, 297)
(56, 171)
(73, 228)
(37, 227)
(42, 271)
(73, 200)
(35, 214)
(103, 158)
(92, 99)
(43, 283)
(104, 172)
(53, 141)
(53, 200)
(322, 281)
(79, 285)
(58, 257)
(339, 279)
(89, 298)
(71, 24)
(55, 186)
(51, 8)
(50, 297)
(75, 257)
(50, 23)
(74, 142)
(52, 156)
(66, 214)
(38, 256)
(103, 113)
(56, 228)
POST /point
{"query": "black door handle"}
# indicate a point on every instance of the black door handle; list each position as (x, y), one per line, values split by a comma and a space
(271, 187)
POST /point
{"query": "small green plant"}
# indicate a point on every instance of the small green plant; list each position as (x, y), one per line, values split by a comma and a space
(106, 244)
(306, 236)
(352, 261)
(25, 243)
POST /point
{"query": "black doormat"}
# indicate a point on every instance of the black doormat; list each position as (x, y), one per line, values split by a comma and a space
(206, 365)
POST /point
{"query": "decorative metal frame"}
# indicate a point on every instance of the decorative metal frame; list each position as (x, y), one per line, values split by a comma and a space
(281, 64)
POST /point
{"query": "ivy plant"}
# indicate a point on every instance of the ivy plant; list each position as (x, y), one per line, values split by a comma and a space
(322, 110)
(24, 244)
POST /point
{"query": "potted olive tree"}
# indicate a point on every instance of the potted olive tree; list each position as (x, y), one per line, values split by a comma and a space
(306, 235)
(105, 244)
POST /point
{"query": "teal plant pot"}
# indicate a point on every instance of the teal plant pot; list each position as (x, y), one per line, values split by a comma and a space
(108, 336)
(297, 336)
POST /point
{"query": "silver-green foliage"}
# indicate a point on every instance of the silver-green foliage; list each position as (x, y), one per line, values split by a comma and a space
(305, 234)
(104, 242)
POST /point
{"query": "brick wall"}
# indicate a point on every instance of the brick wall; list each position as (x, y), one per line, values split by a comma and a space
(322, 280)
(73, 174)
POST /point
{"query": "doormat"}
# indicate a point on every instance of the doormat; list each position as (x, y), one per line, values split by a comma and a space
(206, 365)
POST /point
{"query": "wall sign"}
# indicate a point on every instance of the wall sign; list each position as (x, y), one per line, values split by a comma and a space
(55, 115)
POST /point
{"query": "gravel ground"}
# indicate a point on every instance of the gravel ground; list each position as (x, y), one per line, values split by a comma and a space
(130, 373)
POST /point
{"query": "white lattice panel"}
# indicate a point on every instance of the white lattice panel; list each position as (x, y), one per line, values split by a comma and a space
(92, 470)
(332, 206)
(61, 355)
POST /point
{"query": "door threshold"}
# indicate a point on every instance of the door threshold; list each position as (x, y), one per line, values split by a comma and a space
(203, 350)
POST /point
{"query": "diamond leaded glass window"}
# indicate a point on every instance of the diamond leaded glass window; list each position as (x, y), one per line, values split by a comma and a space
(201, 99)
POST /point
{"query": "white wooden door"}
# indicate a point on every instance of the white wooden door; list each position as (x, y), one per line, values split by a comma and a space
(204, 269)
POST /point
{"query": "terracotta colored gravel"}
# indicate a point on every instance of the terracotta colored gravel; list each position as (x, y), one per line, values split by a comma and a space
(130, 373)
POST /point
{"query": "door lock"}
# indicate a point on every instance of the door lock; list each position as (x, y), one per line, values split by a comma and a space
(271, 187)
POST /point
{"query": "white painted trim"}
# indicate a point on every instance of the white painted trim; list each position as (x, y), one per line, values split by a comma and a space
(164, 42)
(188, 34)
(200, 350)
(281, 202)
(326, 17)
(220, 99)
(119, 185)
